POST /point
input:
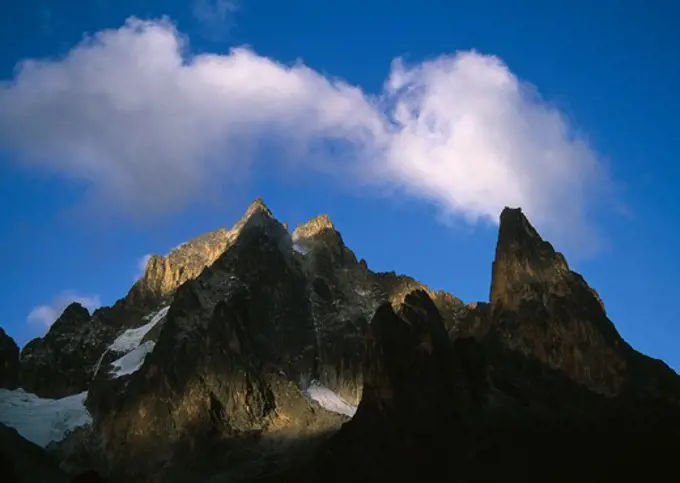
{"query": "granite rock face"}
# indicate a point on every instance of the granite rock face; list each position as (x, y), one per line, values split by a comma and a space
(65, 360)
(545, 310)
(9, 362)
(413, 397)
(473, 410)
(548, 312)
(342, 297)
(62, 362)
(164, 274)
(228, 369)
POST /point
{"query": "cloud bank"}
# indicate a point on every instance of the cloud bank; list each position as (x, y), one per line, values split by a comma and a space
(150, 127)
(43, 316)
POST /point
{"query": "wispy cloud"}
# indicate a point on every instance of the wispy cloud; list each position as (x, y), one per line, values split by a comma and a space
(141, 266)
(216, 17)
(43, 316)
(46, 20)
(132, 113)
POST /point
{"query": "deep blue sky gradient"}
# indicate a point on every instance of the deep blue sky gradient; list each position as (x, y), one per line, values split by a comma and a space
(612, 66)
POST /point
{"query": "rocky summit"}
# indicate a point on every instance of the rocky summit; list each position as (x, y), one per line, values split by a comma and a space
(253, 354)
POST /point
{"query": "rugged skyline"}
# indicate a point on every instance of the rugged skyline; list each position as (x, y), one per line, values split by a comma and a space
(420, 122)
(258, 354)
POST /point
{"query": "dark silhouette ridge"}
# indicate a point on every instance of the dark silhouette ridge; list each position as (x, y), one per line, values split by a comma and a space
(9, 361)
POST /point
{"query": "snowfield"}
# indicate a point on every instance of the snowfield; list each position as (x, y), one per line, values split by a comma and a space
(131, 338)
(42, 421)
(328, 400)
(133, 360)
(130, 344)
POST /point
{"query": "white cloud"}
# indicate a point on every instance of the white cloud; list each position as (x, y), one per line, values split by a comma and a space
(44, 315)
(141, 266)
(150, 127)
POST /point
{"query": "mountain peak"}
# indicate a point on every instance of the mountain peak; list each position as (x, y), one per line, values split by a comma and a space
(257, 206)
(522, 256)
(313, 227)
(517, 235)
(163, 274)
(549, 312)
(74, 310)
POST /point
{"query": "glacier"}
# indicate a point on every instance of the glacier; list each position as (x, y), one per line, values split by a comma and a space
(130, 344)
(40, 420)
(132, 338)
(133, 360)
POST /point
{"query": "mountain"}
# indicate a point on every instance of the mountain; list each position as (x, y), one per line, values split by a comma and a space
(9, 361)
(539, 387)
(546, 311)
(254, 354)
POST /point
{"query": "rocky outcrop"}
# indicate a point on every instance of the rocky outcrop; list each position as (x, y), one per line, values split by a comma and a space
(62, 362)
(238, 345)
(24, 462)
(9, 361)
(473, 410)
(549, 312)
(164, 274)
(413, 403)
(66, 359)
(342, 297)
(458, 318)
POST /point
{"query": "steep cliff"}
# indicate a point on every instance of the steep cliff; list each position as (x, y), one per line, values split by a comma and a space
(9, 362)
(62, 362)
(548, 312)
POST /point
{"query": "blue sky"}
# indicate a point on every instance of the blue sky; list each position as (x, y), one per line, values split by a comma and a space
(155, 132)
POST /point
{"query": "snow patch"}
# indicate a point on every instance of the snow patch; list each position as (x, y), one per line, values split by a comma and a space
(130, 344)
(99, 362)
(300, 249)
(131, 338)
(133, 360)
(42, 421)
(328, 400)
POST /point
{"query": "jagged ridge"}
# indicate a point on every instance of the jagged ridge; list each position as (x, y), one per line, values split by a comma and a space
(257, 314)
